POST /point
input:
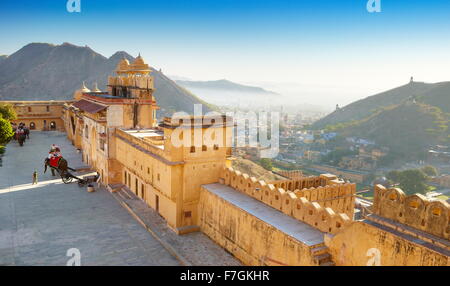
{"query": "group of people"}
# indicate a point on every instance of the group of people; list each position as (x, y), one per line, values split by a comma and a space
(21, 133)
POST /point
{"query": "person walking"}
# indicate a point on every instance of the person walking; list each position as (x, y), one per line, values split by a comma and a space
(35, 178)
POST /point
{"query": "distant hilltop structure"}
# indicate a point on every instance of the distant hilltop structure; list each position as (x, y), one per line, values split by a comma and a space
(411, 80)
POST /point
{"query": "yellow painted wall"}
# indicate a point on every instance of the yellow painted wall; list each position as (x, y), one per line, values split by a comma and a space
(251, 240)
(359, 244)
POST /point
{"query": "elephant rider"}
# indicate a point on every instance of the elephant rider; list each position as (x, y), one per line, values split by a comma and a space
(53, 148)
(54, 156)
(19, 133)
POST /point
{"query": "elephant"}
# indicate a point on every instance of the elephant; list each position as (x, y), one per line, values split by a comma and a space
(62, 169)
(21, 137)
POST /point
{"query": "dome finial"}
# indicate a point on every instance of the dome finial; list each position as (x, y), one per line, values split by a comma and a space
(96, 88)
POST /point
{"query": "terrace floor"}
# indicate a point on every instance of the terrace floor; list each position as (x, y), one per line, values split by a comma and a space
(40, 223)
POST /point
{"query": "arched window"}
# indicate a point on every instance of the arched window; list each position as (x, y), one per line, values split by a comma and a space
(52, 125)
(32, 125)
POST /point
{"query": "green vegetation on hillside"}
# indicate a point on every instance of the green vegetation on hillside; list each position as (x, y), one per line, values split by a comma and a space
(361, 109)
(406, 129)
(254, 170)
(266, 164)
(410, 181)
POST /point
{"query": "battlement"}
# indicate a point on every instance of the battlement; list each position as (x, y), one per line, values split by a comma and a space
(292, 174)
(299, 183)
(327, 208)
(417, 211)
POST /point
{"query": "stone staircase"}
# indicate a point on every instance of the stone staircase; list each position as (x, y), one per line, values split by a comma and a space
(321, 256)
(122, 191)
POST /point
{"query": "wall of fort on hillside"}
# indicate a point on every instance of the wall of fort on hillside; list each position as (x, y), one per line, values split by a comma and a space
(349, 175)
(327, 208)
(291, 174)
(251, 240)
(430, 216)
(361, 244)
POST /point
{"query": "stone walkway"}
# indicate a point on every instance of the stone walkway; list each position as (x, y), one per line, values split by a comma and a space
(39, 224)
(192, 249)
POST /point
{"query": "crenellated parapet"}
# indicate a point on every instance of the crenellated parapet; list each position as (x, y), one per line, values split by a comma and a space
(304, 182)
(428, 215)
(323, 214)
(291, 174)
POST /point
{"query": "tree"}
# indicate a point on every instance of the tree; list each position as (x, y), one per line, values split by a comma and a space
(430, 171)
(411, 181)
(7, 112)
(266, 164)
(394, 176)
(6, 131)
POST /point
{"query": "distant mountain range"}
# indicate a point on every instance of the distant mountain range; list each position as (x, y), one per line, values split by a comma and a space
(406, 119)
(41, 71)
(224, 85)
(226, 93)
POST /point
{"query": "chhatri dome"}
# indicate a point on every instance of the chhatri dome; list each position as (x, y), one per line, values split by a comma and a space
(96, 88)
(139, 66)
(123, 65)
(79, 93)
(84, 88)
(139, 60)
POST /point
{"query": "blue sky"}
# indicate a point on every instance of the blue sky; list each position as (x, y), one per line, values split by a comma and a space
(335, 49)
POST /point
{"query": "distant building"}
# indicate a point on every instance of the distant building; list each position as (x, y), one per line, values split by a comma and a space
(39, 115)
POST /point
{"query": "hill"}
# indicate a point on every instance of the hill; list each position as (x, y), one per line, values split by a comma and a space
(406, 128)
(41, 71)
(230, 94)
(363, 108)
(254, 170)
(223, 84)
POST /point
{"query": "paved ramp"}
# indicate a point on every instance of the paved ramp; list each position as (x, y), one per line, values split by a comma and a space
(40, 223)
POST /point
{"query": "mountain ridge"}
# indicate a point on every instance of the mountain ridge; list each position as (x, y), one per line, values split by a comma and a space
(43, 71)
(432, 93)
(224, 84)
(407, 119)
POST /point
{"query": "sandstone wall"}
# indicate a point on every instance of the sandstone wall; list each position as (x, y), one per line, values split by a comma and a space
(431, 216)
(251, 240)
(362, 244)
(324, 215)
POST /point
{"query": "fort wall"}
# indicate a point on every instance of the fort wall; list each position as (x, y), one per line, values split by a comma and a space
(314, 206)
(366, 244)
(430, 216)
(252, 240)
